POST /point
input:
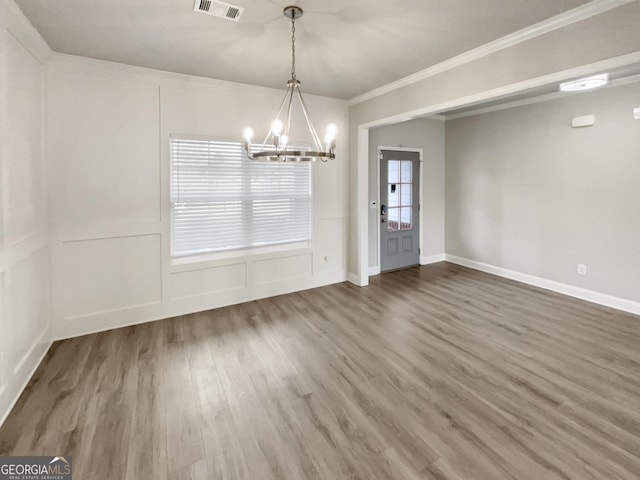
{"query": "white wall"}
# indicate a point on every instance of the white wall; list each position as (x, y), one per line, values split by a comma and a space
(526, 192)
(24, 240)
(428, 135)
(109, 128)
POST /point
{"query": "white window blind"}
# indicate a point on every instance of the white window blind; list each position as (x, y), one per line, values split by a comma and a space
(220, 200)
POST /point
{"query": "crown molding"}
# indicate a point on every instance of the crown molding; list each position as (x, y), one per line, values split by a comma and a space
(20, 28)
(595, 7)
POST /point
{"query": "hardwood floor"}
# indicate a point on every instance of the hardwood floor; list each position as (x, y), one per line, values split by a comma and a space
(436, 372)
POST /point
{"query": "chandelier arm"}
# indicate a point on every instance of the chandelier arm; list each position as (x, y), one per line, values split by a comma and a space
(262, 144)
(316, 138)
(286, 94)
(288, 127)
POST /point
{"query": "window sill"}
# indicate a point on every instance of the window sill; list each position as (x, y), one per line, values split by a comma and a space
(206, 260)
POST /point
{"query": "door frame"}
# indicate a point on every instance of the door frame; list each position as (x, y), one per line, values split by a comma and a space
(419, 151)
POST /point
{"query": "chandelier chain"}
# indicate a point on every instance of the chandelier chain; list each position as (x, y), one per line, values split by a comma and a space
(293, 48)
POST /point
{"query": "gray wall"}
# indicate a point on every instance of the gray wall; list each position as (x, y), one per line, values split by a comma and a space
(427, 134)
(526, 192)
(605, 37)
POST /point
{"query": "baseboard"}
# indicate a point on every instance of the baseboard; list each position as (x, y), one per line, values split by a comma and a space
(440, 257)
(566, 289)
(25, 381)
(353, 278)
(65, 328)
(375, 270)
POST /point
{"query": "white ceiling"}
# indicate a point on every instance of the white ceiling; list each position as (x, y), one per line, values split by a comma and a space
(344, 48)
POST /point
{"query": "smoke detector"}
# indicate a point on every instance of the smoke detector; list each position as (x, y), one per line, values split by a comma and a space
(218, 9)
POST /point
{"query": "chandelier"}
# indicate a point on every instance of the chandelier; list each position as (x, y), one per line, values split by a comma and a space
(276, 143)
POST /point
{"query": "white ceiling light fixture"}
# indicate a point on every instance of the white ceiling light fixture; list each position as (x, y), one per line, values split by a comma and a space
(278, 149)
(586, 83)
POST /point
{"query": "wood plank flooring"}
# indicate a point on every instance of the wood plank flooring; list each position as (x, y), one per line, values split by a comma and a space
(437, 372)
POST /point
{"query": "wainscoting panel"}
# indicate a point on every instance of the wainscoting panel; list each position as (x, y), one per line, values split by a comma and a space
(25, 281)
(208, 280)
(109, 274)
(277, 269)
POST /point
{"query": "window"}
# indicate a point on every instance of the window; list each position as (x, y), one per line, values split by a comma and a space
(220, 200)
(400, 178)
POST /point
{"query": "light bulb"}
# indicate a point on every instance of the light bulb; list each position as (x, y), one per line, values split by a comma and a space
(284, 140)
(276, 127)
(332, 131)
(248, 134)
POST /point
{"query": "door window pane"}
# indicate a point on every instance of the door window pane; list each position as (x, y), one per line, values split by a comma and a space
(405, 194)
(394, 195)
(393, 171)
(405, 218)
(405, 171)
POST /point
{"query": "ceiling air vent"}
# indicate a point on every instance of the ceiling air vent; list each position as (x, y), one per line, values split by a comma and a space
(218, 9)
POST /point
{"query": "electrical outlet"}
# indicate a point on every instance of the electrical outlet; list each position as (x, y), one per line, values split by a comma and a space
(582, 269)
(636, 113)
